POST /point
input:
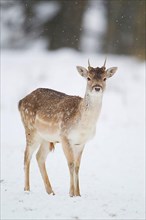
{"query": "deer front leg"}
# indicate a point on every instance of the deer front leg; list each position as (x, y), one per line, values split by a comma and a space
(70, 160)
(78, 150)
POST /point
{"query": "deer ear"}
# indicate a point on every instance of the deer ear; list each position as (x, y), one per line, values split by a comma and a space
(82, 71)
(111, 71)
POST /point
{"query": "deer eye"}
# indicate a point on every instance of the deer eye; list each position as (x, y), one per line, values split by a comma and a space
(88, 78)
(104, 79)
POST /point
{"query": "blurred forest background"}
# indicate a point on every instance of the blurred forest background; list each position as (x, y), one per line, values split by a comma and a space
(105, 26)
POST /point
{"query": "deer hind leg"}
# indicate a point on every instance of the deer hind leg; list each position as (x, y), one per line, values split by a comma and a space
(31, 146)
(70, 160)
(41, 156)
(78, 150)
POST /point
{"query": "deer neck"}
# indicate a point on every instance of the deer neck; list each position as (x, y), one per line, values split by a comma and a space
(91, 105)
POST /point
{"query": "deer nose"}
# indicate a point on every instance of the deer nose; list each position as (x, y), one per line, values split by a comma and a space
(97, 88)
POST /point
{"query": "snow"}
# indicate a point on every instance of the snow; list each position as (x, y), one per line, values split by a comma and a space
(113, 165)
(46, 10)
(94, 25)
(10, 16)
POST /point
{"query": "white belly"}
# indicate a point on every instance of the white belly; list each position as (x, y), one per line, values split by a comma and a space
(50, 137)
(47, 130)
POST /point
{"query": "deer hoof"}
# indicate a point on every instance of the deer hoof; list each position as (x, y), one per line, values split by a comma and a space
(27, 189)
(50, 191)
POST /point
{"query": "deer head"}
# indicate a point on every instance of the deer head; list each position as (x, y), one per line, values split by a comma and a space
(96, 77)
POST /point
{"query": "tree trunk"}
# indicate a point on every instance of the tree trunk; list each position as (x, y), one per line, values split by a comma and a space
(125, 27)
(65, 29)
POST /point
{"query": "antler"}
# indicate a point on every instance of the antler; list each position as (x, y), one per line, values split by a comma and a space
(88, 63)
(104, 62)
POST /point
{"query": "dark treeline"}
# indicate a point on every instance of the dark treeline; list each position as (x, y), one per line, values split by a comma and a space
(124, 34)
(126, 30)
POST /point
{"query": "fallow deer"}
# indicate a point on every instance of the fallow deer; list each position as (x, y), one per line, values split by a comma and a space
(51, 117)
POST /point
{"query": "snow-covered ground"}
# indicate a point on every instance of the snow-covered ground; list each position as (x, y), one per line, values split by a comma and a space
(113, 165)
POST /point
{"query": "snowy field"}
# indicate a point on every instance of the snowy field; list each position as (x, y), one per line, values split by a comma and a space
(112, 174)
